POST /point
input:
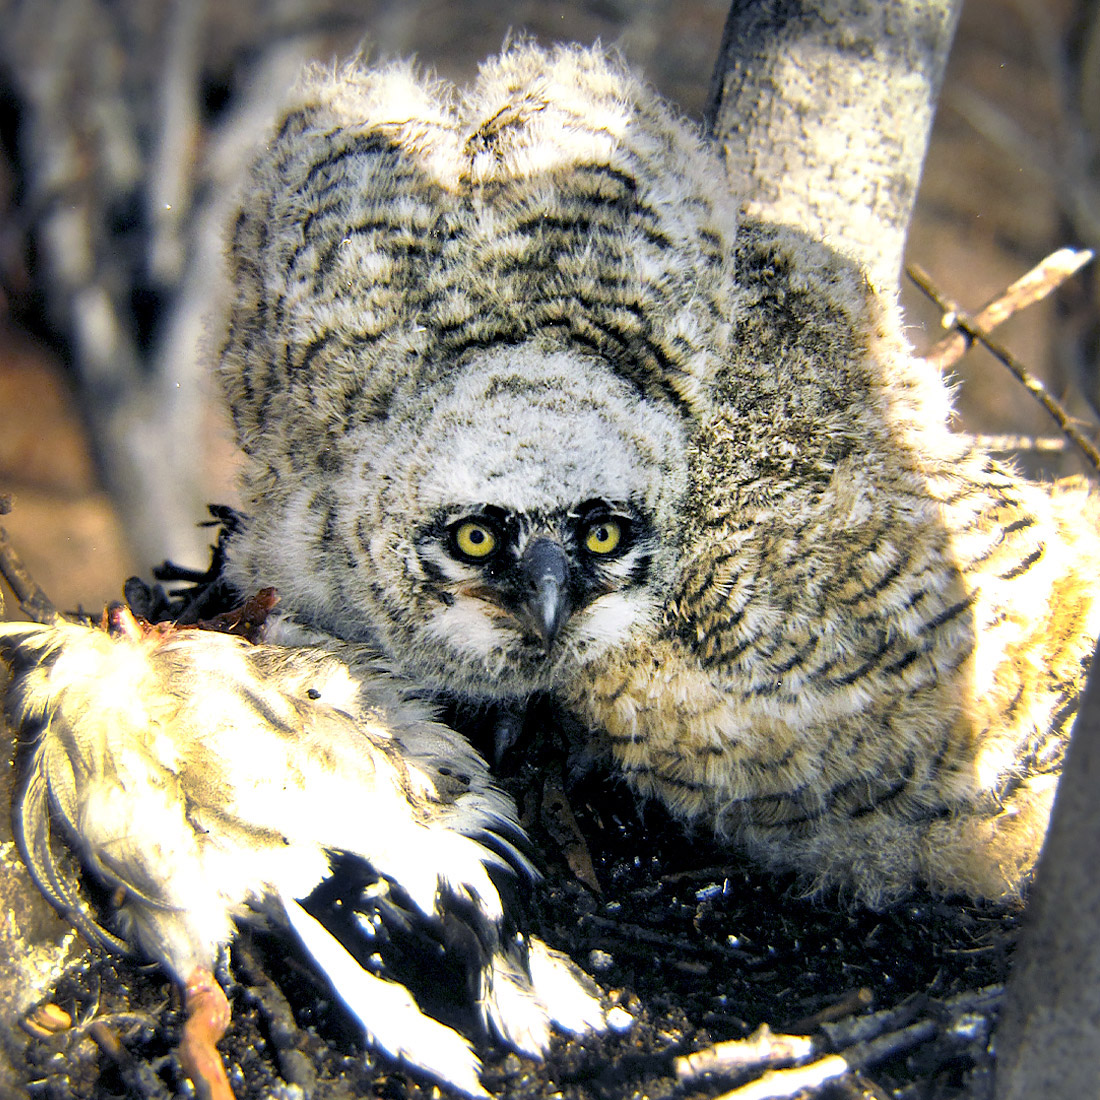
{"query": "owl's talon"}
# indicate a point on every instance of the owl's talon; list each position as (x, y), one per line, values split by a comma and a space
(507, 729)
(561, 823)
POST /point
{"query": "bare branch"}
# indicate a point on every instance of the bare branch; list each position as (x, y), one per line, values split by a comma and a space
(1033, 287)
(32, 599)
(967, 324)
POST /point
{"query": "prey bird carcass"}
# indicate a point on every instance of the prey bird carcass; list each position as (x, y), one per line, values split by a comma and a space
(207, 780)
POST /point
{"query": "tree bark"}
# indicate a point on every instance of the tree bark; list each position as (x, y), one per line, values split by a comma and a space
(824, 109)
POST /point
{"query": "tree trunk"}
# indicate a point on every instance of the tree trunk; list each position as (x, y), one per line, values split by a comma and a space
(824, 108)
(1048, 1042)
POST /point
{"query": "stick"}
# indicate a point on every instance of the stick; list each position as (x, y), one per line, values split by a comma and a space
(32, 599)
(762, 1048)
(1033, 287)
(965, 323)
(853, 1001)
(777, 1084)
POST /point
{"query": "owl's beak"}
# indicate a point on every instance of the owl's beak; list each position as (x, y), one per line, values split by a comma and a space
(544, 602)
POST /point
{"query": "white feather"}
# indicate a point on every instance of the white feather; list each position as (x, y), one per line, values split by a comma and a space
(210, 779)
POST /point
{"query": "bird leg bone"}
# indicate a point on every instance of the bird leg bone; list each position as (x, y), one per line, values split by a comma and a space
(207, 1013)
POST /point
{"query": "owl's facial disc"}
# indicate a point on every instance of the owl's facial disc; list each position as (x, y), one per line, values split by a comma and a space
(515, 525)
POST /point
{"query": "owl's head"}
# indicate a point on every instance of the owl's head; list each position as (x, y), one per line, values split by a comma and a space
(471, 334)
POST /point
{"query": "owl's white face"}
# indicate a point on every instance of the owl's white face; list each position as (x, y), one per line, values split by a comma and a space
(513, 528)
(539, 534)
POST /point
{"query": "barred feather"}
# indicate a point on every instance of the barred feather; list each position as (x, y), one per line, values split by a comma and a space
(868, 667)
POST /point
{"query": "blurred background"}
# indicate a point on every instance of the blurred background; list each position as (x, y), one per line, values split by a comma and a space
(124, 123)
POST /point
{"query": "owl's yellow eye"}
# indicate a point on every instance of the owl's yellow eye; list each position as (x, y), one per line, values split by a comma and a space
(474, 540)
(603, 537)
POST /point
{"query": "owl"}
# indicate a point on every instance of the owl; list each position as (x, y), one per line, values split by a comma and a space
(529, 406)
(206, 781)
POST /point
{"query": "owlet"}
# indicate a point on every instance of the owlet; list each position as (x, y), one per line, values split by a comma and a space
(528, 407)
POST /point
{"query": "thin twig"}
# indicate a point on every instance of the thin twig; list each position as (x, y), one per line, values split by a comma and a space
(853, 1001)
(863, 1027)
(778, 1084)
(763, 1048)
(32, 600)
(1006, 442)
(637, 933)
(965, 323)
(138, 1076)
(1033, 287)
